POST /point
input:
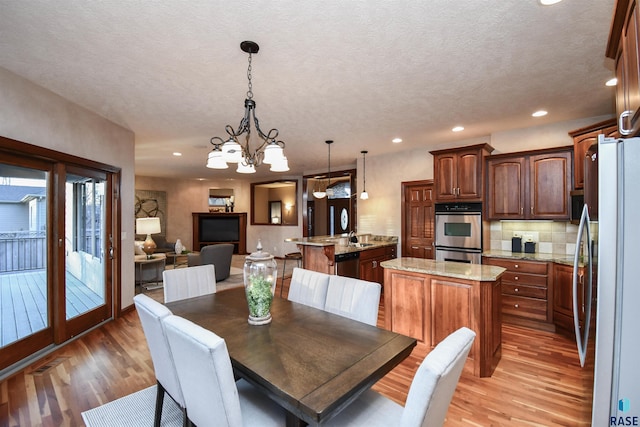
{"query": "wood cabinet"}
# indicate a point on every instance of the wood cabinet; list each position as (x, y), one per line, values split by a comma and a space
(583, 139)
(585, 161)
(563, 297)
(530, 185)
(458, 173)
(417, 219)
(526, 293)
(213, 228)
(370, 260)
(430, 307)
(623, 49)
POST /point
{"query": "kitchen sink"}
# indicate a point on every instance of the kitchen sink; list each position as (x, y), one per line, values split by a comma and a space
(362, 245)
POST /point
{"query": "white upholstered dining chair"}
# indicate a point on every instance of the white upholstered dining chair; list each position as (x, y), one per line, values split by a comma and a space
(353, 298)
(151, 314)
(308, 287)
(189, 282)
(429, 395)
(212, 395)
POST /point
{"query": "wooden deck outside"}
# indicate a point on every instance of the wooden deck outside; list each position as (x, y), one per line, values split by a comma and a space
(23, 303)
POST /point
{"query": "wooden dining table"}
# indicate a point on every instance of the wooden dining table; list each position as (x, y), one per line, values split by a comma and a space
(311, 362)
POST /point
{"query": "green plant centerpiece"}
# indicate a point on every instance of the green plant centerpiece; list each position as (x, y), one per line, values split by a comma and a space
(260, 275)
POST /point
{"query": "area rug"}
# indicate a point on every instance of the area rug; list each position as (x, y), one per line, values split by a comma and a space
(136, 409)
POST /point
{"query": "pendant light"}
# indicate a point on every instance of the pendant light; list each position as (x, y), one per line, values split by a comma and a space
(328, 191)
(364, 195)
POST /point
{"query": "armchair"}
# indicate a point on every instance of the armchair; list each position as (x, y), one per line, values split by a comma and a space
(219, 255)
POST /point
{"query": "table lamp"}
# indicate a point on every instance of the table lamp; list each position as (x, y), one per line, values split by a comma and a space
(148, 226)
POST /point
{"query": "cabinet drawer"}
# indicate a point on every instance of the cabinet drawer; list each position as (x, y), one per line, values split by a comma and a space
(530, 308)
(524, 291)
(368, 254)
(519, 266)
(524, 279)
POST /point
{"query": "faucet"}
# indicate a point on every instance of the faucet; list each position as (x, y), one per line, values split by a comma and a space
(352, 237)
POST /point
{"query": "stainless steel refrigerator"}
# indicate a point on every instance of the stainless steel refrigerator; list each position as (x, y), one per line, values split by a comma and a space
(616, 241)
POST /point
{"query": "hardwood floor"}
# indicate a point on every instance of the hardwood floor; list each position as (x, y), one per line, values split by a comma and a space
(538, 381)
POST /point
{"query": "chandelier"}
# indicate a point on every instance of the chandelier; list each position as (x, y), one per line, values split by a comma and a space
(270, 151)
(328, 191)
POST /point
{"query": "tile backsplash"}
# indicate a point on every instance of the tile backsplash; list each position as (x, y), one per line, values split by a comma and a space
(550, 237)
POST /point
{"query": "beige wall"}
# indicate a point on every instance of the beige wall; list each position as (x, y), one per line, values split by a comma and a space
(37, 116)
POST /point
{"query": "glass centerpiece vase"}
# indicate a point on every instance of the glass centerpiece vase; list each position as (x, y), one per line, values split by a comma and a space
(260, 278)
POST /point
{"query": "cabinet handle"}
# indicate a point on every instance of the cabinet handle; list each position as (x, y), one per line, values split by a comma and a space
(414, 247)
(521, 211)
(621, 128)
(516, 266)
(453, 190)
(515, 278)
(531, 210)
(516, 306)
(517, 290)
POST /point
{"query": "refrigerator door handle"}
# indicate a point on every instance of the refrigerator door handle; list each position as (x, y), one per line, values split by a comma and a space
(582, 336)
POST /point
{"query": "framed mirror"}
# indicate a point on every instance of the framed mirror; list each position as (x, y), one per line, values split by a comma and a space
(274, 203)
(329, 208)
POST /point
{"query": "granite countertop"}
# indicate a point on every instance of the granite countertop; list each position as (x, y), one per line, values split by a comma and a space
(542, 257)
(341, 242)
(458, 270)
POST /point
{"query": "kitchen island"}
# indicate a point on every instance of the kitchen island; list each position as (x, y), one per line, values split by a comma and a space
(428, 300)
(324, 253)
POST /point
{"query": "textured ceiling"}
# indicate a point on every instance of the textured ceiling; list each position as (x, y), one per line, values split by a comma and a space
(358, 72)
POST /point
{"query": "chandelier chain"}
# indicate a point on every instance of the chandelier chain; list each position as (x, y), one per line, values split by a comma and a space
(250, 91)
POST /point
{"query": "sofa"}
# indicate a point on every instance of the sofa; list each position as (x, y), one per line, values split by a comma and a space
(219, 255)
(162, 246)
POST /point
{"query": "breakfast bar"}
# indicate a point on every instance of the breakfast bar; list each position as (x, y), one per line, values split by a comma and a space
(427, 300)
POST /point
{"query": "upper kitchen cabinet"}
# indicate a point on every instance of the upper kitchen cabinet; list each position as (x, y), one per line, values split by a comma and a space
(530, 185)
(623, 49)
(583, 139)
(458, 173)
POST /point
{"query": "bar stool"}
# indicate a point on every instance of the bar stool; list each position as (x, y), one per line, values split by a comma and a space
(290, 256)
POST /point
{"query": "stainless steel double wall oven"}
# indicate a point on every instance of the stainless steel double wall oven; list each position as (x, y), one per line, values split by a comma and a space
(458, 229)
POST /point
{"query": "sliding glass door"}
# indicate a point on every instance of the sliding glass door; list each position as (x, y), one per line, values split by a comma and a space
(56, 268)
(25, 294)
(87, 293)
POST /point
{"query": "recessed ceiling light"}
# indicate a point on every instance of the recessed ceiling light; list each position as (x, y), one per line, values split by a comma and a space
(177, 154)
(458, 129)
(612, 82)
(396, 140)
(539, 113)
(549, 2)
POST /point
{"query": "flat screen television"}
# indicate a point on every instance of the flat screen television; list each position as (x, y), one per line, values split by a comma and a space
(219, 229)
